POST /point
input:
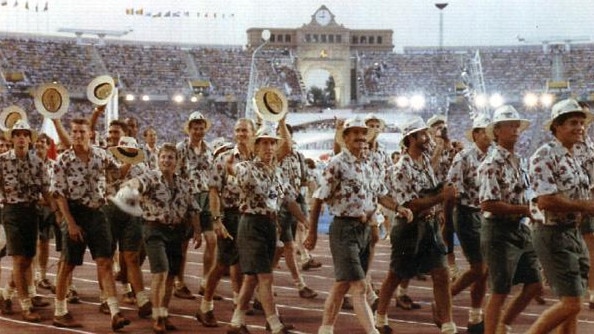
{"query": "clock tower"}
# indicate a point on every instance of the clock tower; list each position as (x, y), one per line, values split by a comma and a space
(322, 17)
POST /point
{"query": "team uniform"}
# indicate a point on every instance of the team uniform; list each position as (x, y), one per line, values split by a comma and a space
(347, 187)
(506, 243)
(463, 175)
(557, 238)
(417, 247)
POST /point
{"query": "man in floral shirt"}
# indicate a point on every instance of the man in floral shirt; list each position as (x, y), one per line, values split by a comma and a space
(261, 196)
(194, 165)
(78, 186)
(166, 203)
(23, 179)
(505, 240)
(417, 247)
(351, 195)
(224, 206)
(463, 176)
(562, 199)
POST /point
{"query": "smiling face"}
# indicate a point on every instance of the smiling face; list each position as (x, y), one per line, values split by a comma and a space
(570, 129)
(197, 131)
(244, 131)
(355, 140)
(375, 126)
(167, 159)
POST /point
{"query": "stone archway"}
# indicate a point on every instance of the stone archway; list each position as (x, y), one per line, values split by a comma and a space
(336, 61)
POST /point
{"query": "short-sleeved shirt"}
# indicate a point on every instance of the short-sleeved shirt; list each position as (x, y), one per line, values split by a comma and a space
(444, 162)
(262, 187)
(151, 156)
(293, 172)
(81, 181)
(22, 180)
(409, 178)
(165, 203)
(502, 178)
(380, 162)
(554, 170)
(115, 179)
(225, 183)
(464, 175)
(347, 186)
(195, 166)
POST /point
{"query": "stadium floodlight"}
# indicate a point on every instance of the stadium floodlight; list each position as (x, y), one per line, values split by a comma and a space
(546, 99)
(146, 98)
(480, 101)
(194, 99)
(402, 102)
(178, 98)
(530, 100)
(249, 108)
(417, 102)
(130, 97)
(496, 100)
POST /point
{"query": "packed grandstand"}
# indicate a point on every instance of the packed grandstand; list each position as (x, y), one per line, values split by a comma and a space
(165, 70)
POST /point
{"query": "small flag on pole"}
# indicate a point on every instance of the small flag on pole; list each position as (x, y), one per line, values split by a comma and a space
(46, 7)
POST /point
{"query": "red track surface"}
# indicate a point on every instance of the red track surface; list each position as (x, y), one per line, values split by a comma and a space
(306, 315)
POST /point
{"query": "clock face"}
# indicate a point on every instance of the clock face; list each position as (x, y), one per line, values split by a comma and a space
(323, 17)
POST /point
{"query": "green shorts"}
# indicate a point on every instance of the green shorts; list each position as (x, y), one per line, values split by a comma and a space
(508, 252)
(350, 248)
(564, 258)
(126, 229)
(417, 247)
(96, 235)
(21, 227)
(467, 223)
(256, 243)
(288, 225)
(163, 246)
(227, 253)
(587, 225)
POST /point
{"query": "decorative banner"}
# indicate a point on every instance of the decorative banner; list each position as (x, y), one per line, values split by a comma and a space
(171, 14)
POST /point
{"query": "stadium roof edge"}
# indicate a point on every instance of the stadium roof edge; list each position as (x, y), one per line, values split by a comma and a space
(109, 40)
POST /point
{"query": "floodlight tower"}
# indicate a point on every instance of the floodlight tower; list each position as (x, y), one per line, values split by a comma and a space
(249, 106)
(441, 6)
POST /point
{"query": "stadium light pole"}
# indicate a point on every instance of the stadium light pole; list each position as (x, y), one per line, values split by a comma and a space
(441, 6)
(249, 108)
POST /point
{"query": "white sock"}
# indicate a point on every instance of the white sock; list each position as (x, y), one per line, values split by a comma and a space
(274, 322)
(26, 304)
(401, 291)
(449, 328)
(8, 292)
(475, 316)
(206, 306)
(299, 283)
(142, 298)
(164, 312)
(591, 295)
(114, 307)
(326, 329)
(381, 320)
(156, 313)
(32, 291)
(238, 318)
(61, 307)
